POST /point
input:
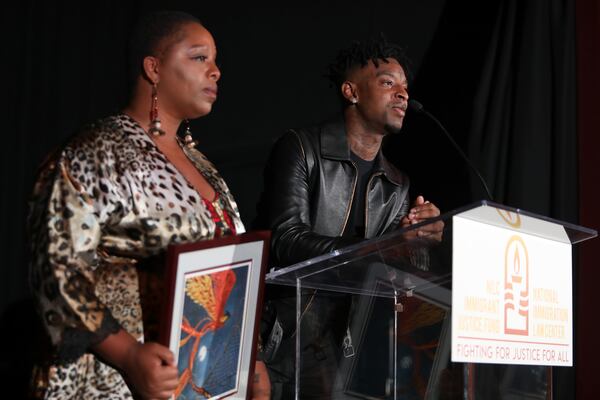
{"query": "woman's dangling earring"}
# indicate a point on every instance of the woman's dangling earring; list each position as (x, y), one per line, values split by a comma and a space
(188, 140)
(155, 128)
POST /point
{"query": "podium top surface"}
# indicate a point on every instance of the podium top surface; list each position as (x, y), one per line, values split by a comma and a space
(399, 262)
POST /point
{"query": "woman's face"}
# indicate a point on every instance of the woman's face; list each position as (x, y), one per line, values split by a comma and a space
(188, 74)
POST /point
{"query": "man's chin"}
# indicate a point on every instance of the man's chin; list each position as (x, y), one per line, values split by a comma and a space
(392, 129)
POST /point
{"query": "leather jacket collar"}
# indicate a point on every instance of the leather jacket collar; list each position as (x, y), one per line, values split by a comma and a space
(334, 146)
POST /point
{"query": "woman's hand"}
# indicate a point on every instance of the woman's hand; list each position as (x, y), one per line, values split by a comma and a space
(148, 368)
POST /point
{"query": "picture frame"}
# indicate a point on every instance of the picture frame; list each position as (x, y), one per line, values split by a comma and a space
(211, 321)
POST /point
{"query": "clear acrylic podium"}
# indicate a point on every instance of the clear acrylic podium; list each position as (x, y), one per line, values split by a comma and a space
(373, 320)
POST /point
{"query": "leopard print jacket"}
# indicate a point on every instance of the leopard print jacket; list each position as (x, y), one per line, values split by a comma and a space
(109, 200)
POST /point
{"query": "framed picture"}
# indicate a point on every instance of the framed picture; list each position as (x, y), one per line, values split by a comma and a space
(212, 318)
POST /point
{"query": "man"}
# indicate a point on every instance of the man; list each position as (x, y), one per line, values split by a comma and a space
(330, 186)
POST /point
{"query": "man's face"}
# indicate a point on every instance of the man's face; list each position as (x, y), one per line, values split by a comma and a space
(381, 94)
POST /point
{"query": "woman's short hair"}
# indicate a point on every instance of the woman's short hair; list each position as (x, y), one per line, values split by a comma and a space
(153, 34)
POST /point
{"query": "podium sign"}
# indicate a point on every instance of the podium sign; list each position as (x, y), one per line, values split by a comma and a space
(512, 290)
(451, 316)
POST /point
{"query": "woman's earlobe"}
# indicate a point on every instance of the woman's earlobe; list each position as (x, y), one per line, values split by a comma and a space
(150, 67)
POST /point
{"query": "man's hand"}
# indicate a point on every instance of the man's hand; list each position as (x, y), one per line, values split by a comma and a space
(261, 386)
(421, 211)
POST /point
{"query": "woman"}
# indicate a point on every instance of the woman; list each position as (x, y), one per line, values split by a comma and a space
(109, 203)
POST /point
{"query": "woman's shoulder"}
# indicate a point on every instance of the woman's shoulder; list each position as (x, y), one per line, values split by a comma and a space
(104, 139)
(103, 133)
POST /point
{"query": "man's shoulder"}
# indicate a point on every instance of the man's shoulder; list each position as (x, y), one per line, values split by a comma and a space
(314, 135)
(304, 133)
(326, 126)
(299, 138)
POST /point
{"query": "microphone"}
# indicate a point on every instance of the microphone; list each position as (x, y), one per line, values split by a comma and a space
(418, 108)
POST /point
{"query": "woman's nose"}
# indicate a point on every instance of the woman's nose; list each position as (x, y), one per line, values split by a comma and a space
(214, 72)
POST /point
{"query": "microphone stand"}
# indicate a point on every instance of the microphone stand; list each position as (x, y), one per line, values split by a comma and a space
(418, 107)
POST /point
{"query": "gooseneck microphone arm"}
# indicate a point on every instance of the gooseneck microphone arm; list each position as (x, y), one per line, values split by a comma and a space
(418, 107)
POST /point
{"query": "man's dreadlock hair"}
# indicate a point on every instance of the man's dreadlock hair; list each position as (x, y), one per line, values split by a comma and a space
(376, 49)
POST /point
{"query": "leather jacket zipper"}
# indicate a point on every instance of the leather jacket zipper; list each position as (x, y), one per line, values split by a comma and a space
(351, 198)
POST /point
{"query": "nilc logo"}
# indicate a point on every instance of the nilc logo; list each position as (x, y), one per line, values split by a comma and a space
(511, 218)
(516, 287)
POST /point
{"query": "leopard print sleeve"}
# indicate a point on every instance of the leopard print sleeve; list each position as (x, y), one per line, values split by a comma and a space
(65, 231)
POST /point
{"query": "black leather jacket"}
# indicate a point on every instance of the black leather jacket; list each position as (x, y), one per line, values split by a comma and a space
(309, 187)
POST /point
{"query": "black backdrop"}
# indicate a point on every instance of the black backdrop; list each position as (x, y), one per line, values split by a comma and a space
(499, 74)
